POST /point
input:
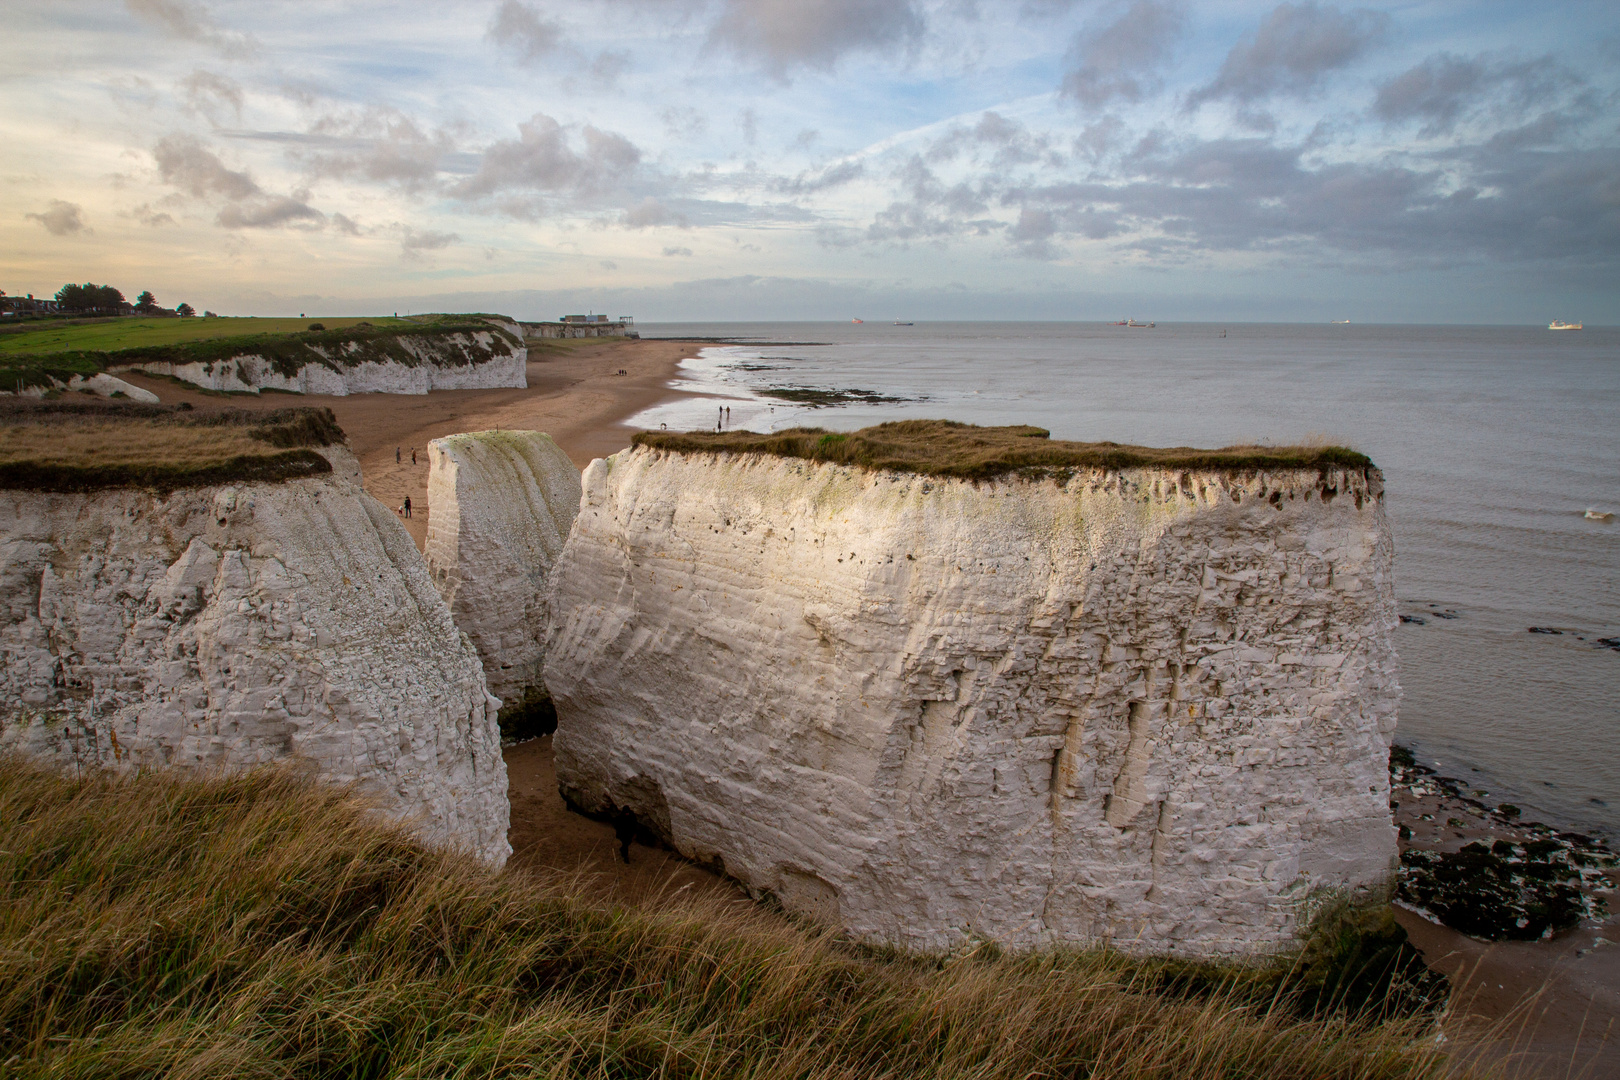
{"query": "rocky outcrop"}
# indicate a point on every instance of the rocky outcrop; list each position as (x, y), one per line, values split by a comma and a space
(100, 384)
(230, 626)
(401, 363)
(1150, 706)
(501, 503)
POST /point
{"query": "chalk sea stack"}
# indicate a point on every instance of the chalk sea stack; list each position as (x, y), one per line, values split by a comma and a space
(215, 592)
(501, 506)
(934, 684)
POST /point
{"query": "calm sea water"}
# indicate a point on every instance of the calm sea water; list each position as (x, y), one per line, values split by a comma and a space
(1494, 442)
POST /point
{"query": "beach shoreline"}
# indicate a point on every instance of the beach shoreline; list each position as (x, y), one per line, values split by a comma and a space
(575, 394)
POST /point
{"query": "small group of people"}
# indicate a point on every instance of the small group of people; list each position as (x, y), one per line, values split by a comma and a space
(397, 456)
(724, 419)
(404, 507)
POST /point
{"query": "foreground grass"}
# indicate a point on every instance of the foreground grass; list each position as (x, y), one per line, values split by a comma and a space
(72, 446)
(948, 448)
(259, 926)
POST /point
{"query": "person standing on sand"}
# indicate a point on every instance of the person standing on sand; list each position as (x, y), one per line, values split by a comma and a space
(413, 455)
(407, 506)
(396, 455)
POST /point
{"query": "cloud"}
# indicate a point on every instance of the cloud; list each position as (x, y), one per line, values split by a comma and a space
(211, 94)
(151, 218)
(837, 175)
(522, 29)
(268, 213)
(412, 243)
(684, 252)
(1445, 87)
(815, 33)
(650, 213)
(541, 159)
(1292, 51)
(607, 66)
(61, 218)
(379, 144)
(190, 21)
(1010, 142)
(188, 165)
(683, 122)
(1121, 58)
(345, 224)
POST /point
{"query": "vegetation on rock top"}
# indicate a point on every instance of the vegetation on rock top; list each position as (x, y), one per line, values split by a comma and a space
(951, 449)
(263, 925)
(72, 446)
(33, 357)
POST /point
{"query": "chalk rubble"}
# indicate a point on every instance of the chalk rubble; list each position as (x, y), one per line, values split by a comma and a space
(1149, 707)
(500, 506)
(227, 627)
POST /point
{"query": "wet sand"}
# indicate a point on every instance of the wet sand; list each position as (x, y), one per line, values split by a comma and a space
(574, 395)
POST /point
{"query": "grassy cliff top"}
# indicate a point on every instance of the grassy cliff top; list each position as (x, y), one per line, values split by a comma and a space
(62, 446)
(948, 448)
(32, 355)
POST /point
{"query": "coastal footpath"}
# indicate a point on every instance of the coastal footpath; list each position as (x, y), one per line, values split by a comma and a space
(935, 684)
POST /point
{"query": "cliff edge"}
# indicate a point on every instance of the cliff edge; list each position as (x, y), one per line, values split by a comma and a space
(221, 606)
(501, 506)
(1147, 702)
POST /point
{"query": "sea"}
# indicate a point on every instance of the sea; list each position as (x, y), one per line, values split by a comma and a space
(1494, 441)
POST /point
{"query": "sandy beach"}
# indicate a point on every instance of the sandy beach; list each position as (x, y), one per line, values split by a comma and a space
(574, 394)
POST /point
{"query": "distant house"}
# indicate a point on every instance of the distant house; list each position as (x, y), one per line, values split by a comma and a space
(582, 326)
(27, 305)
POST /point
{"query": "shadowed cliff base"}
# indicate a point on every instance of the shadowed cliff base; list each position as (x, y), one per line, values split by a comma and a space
(265, 925)
(70, 447)
(964, 451)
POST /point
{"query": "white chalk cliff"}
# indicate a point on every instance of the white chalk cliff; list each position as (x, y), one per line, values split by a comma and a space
(226, 627)
(474, 360)
(501, 504)
(1149, 706)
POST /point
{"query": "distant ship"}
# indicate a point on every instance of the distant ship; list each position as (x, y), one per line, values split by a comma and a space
(1556, 325)
(1121, 322)
(1341, 322)
(1140, 325)
(897, 322)
(857, 320)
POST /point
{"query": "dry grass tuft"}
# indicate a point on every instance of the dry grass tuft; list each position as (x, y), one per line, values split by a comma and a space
(59, 446)
(261, 926)
(948, 448)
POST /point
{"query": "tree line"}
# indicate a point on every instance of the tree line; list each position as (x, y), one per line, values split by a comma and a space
(106, 298)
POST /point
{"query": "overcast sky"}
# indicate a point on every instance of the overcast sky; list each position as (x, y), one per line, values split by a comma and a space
(820, 159)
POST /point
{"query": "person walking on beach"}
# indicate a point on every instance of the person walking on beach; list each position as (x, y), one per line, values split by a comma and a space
(396, 455)
(407, 506)
(413, 455)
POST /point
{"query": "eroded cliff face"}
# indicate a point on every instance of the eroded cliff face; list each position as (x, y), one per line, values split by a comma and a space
(501, 505)
(1151, 707)
(476, 360)
(226, 627)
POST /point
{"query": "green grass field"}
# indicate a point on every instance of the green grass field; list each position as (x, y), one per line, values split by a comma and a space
(111, 335)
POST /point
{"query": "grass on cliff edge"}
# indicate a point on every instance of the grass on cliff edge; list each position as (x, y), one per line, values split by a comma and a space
(40, 357)
(948, 448)
(73, 446)
(261, 926)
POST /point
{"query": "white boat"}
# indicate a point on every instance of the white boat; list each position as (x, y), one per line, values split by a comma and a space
(1140, 325)
(1556, 325)
(1341, 322)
